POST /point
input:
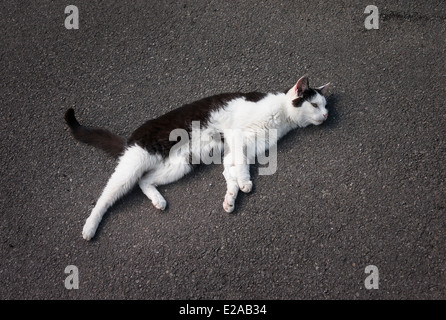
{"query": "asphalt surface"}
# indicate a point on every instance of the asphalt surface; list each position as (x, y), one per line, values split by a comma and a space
(365, 188)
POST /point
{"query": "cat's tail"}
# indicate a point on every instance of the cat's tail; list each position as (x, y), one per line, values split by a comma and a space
(102, 139)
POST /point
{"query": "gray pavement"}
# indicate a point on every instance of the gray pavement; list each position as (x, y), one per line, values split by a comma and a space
(365, 188)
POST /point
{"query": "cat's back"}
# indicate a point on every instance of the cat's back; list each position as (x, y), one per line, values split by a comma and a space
(182, 117)
(154, 134)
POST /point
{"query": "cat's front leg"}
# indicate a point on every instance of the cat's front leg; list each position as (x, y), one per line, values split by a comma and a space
(152, 193)
(232, 188)
(236, 161)
(244, 178)
(239, 162)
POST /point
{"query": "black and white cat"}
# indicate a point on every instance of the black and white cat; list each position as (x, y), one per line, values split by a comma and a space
(230, 122)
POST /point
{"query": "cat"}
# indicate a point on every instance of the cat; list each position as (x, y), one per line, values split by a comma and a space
(149, 159)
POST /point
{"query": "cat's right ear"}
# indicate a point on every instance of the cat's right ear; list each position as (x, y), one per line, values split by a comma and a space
(299, 88)
(323, 90)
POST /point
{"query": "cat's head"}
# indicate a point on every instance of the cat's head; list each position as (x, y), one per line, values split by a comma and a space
(311, 102)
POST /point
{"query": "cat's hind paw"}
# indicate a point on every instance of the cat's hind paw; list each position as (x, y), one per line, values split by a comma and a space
(89, 230)
(246, 187)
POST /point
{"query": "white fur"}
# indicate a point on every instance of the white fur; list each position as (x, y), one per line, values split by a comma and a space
(242, 123)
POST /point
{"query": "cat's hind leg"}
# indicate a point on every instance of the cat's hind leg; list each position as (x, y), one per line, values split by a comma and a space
(168, 171)
(132, 165)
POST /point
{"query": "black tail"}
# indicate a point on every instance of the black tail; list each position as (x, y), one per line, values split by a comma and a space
(99, 138)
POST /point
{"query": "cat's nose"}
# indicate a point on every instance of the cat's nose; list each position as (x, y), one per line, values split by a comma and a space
(325, 115)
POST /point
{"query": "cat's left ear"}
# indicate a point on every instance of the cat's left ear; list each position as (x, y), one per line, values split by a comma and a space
(323, 90)
(299, 88)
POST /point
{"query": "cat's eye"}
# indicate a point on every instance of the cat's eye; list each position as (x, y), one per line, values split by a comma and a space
(315, 105)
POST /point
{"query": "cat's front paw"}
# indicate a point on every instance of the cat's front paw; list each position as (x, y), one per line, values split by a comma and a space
(228, 204)
(160, 204)
(246, 187)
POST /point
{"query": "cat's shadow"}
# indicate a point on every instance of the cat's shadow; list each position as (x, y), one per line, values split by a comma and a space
(333, 119)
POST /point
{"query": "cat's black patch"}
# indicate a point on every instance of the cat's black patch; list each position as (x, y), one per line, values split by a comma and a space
(254, 96)
(307, 95)
(153, 135)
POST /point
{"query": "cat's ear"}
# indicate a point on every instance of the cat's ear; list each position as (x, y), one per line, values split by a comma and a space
(299, 88)
(323, 90)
